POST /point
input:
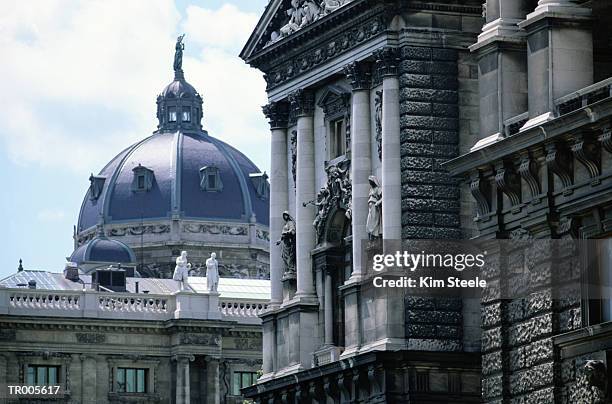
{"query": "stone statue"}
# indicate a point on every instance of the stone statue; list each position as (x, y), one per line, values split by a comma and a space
(212, 273)
(323, 206)
(287, 243)
(373, 223)
(296, 15)
(311, 13)
(329, 6)
(178, 54)
(181, 271)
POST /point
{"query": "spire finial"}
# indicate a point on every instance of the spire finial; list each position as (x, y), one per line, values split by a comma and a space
(20, 267)
(178, 55)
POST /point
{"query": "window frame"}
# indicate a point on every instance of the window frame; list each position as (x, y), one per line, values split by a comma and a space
(172, 114)
(205, 173)
(136, 381)
(336, 137)
(235, 390)
(36, 374)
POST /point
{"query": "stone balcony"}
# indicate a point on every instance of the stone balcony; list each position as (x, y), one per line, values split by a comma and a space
(128, 306)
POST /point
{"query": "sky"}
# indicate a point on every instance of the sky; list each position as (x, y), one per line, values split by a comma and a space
(79, 79)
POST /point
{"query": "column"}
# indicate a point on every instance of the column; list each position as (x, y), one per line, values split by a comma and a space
(387, 61)
(212, 380)
(277, 114)
(559, 55)
(358, 74)
(183, 392)
(329, 309)
(302, 102)
(502, 67)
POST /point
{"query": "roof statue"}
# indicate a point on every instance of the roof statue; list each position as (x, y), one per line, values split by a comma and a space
(178, 54)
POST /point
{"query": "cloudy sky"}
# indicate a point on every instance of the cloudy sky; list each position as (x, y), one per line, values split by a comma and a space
(79, 80)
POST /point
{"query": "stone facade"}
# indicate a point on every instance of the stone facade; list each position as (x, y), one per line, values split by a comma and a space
(487, 121)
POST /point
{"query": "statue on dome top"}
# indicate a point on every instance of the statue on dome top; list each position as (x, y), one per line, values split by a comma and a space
(178, 54)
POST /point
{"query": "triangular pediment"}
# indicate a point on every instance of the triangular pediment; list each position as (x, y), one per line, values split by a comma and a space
(284, 18)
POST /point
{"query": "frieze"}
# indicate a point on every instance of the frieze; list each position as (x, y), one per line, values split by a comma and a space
(303, 13)
(336, 46)
(293, 141)
(247, 344)
(262, 234)
(138, 230)
(8, 335)
(200, 339)
(90, 338)
(215, 229)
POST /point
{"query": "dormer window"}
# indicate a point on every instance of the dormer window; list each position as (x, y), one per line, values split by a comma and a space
(186, 114)
(261, 184)
(210, 180)
(171, 114)
(143, 179)
(96, 184)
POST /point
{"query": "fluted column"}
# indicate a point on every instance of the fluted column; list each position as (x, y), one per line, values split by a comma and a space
(387, 61)
(277, 114)
(358, 74)
(302, 102)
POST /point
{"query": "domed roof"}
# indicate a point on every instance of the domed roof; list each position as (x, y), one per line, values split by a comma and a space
(174, 167)
(102, 249)
(178, 172)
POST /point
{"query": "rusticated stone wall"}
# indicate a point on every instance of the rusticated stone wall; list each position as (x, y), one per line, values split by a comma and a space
(518, 357)
(430, 197)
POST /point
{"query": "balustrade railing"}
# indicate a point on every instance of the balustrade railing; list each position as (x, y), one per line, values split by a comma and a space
(109, 305)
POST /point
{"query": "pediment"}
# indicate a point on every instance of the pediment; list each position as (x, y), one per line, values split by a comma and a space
(284, 18)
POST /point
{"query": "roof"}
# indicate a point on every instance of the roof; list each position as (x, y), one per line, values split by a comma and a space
(175, 160)
(229, 288)
(102, 249)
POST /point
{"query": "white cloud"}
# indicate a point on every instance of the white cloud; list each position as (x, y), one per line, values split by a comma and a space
(51, 215)
(226, 27)
(107, 60)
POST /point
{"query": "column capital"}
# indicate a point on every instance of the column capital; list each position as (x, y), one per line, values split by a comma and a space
(302, 102)
(359, 75)
(277, 114)
(387, 61)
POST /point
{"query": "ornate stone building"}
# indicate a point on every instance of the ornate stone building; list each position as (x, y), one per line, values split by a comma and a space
(508, 101)
(109, 330)
(180, 189)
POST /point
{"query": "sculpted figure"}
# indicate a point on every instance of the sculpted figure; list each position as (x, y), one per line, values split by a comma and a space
(330, 6)
(296, 14)
(178, 54)
(181, 270)
(322, 204)
(373, 223)
(287, 243)
(212, 273)
(311, 13)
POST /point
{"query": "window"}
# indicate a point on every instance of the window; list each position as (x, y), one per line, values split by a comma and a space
(186, 114)
(242, 380)
(42, 375)
(96, 184)
(210, 179)
(260, 182)
(171, 114)
(337, 138)
(132, 380)
(143, 179)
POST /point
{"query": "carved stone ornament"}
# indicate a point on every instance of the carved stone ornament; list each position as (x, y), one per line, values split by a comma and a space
(231, 230)
(378, 104)
(200, 339)
(589, 155)
(479, 188)
(335, 194)
(359, 75)
(303, 13)
(90, 338)
(560, 163)
(374, 220)
(387, 61)
(138, 230)
(294, 156)
(336, 46)
(277, 114)
(508, 182)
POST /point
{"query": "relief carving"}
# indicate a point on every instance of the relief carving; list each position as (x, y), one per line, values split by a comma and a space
(90, 338)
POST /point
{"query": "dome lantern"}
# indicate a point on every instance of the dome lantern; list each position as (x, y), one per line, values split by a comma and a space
(179, 106)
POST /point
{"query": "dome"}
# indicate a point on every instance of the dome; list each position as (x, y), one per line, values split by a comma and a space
(171, 175)
(179, 88)
(101, 249)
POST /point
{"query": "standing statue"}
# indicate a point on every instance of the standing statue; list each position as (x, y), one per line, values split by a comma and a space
(181, 271)
(178, 54)
(330, 6)
(373, 223)
(212, 273)
(296, 14)
(287, 243)
(311, 13)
